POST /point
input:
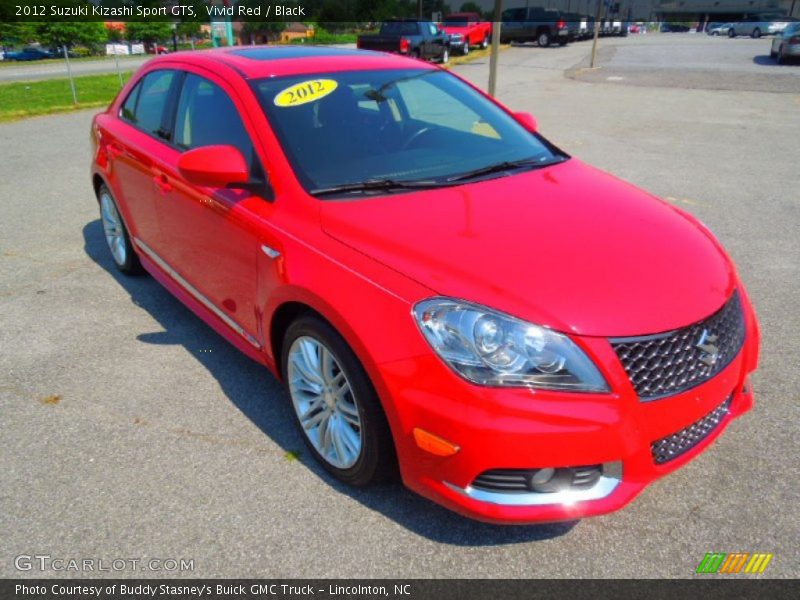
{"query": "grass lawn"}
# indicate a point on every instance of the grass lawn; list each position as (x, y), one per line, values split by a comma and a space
(30, 98)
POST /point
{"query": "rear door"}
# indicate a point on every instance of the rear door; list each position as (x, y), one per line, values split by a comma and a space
(132, 143)
(210, 239)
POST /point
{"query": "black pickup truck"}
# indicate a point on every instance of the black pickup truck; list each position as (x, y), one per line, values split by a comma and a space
(533, 24)
(420, 39)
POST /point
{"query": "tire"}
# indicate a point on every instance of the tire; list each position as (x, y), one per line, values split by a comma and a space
(715, 34)
(116, 234)
(731, 33)
(781, 57)
(756, 33)
(485, 42)
(465, 49)
(543, 39)
(445, 56)
(375, 458)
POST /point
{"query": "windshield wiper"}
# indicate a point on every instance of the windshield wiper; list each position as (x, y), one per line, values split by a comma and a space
(508, 165)
(376, 185)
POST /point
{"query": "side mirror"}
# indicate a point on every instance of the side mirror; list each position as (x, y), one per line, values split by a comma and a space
(527, 120)
(214, 166)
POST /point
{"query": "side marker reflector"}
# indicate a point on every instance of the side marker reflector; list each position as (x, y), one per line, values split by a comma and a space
(433, 443)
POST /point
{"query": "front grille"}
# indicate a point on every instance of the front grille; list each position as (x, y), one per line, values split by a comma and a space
(672, 446)
(669, 363)
(539, 480)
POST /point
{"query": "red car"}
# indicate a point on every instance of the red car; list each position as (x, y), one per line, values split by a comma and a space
(442, 290)
(467, 29)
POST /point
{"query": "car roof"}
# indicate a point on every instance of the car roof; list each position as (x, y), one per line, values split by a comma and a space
(255, 62)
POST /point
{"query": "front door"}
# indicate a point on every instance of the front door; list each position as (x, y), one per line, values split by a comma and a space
(209, 236)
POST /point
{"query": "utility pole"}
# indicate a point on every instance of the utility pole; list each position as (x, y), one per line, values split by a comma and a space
(498, 14)
(597, 25)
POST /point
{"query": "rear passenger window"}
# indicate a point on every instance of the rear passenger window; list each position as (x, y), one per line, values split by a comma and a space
(145, 105)
(206, 116)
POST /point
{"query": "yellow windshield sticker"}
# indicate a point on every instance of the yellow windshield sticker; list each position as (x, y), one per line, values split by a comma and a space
(305, 91)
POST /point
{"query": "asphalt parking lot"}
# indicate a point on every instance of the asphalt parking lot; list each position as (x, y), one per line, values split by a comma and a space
(131, 430)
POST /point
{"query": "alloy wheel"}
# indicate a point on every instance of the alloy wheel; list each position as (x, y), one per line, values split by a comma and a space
(324, 402)
(113, 229)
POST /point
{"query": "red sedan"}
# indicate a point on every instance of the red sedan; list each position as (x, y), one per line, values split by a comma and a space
(443, 292)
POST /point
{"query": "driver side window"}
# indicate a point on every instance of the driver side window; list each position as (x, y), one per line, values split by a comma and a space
(206, 116)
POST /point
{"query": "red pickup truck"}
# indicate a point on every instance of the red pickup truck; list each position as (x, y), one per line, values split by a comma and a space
(467, 29)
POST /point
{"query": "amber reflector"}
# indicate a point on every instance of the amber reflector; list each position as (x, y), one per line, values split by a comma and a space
(433, 443)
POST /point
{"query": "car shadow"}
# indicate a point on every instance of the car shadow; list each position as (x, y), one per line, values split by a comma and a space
(261, 398)
(765, 60)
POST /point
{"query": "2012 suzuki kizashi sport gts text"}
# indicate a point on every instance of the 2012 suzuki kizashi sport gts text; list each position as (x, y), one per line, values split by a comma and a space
(443, 292)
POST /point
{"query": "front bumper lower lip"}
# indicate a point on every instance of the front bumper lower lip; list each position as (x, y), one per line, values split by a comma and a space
(605, 485)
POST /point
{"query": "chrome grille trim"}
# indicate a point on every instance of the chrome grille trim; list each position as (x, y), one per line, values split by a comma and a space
(680, 442)
(672, 362)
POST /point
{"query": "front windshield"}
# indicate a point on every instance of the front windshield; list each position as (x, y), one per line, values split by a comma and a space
(409, 125)
(456, 21)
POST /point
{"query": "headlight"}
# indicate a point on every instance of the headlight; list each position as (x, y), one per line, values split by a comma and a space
(490, 348)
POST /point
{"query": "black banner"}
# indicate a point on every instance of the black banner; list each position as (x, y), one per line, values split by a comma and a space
(730, 588)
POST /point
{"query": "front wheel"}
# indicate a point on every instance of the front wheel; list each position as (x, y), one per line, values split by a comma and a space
(465, 48)
(445, 56)
(756, 33)
(338, 411)
(731, 33)
(485, 42)
(116, 234)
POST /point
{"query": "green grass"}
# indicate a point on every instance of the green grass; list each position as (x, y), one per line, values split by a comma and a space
(30, 98)
(60, 59)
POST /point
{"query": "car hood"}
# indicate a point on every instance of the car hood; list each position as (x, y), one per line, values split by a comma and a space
(568, 247)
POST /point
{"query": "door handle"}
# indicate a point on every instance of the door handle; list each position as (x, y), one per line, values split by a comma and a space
(162, 183)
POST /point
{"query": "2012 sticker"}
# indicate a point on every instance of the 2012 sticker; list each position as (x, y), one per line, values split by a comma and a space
(305, 91)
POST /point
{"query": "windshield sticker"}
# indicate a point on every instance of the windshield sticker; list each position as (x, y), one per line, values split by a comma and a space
(305, 91)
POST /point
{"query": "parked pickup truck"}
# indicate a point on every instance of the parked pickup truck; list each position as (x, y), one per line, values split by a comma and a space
(467, 29)
(419, 39)
(533, 24)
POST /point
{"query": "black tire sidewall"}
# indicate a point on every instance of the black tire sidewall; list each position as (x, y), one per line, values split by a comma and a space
(377, 458)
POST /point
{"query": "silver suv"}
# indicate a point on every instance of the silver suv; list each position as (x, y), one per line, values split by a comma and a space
(758, 25)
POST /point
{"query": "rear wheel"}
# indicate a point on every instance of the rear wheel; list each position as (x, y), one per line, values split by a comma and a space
(543, 39)
(338, 411)
(756, 33)
(731, 33)
(116, 234)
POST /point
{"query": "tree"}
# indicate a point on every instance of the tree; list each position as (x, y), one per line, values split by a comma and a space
(56, 34)
(471, 7)
(148, 32)
(17, 33)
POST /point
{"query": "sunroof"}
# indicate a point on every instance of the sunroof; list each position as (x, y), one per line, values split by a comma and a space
(281, 52)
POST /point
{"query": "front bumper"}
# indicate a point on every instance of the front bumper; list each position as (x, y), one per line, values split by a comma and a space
(498, 428)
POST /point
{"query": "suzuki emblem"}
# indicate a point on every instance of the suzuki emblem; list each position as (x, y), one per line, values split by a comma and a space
(710, 352)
